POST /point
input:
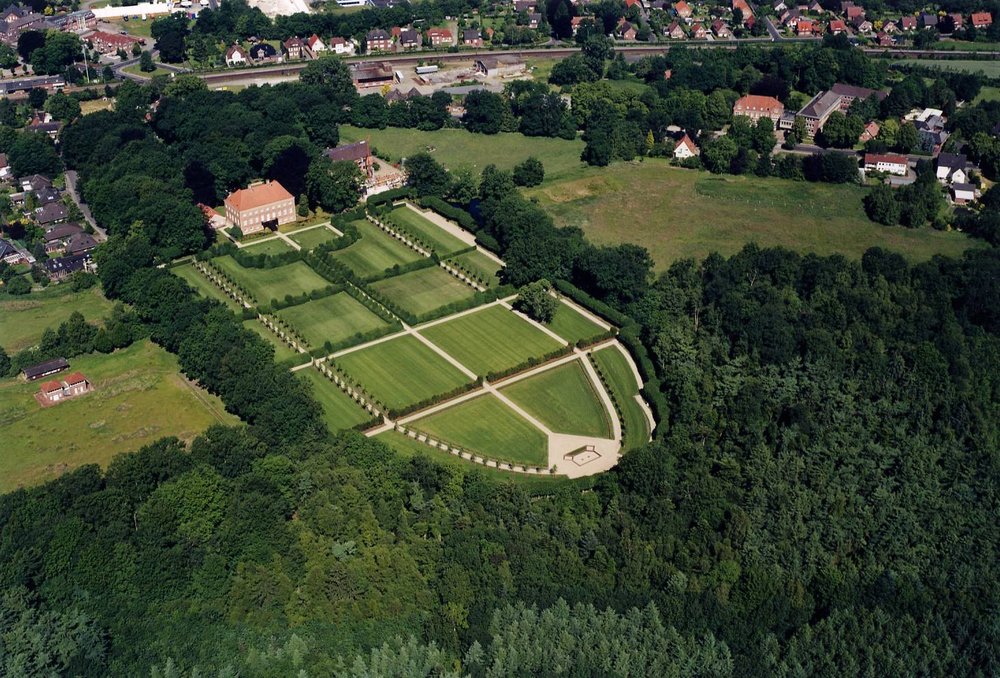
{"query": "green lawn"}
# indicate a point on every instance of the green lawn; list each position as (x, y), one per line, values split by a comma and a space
(275, 246)
(23, 319)
(491, 339)
(572, 326)
(425, 290)
(965, 46)
(374, 252)
(265, 284)
(480, 264)
(339, 410)
(416, 224)
(563, 399)
(486, 425)
(624, 388)
(139, 397)
(988, 94)
(989, 68)
(313, 237)
(203, 285)
(401, 371)
(282, 351)
(334, 319)
(456, 148)
(677, 213)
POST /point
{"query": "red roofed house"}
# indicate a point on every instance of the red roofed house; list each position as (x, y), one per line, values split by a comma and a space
(982, 19)
(837, 27)
(871, 131)
(236, 56)
(260, 206)
(315, 45)
(53, 392)
(805, 27)
(627, 31)
(341, 46)
(698, 32)
(682, 9)
(890, 164)
(674, 31)
(755, 107)
(908, 23)
(439, 37)
(853, 12)
(744, 7)
(109, 43)
(685, 148)
(720, 29)
(294, 48)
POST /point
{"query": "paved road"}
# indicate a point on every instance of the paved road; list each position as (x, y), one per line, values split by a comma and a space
(71, 188)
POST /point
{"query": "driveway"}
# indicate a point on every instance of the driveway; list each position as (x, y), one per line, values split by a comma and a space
(71, 187)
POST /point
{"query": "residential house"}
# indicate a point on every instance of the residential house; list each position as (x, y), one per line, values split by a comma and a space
(908, 23)
(885, 40)
(10, 254)
(806, 27)
(927, 20)
(236, 56)
(74, 385)
(394, 95)
(35, 182)
(409, 38)
(574, 23)
(500, 66)
(890, 27)
(816, 8)
(870, 132)
(836, 27)
(674, 31)
(526, 6)
(962, 194)
(721, 30)
(755, 107)
(359, 153)
(50, 83)
(862, 25)
(473, 38)
(294, 48)
(889, 164)
(263, 53)
(744, 8)
(698, 32)
(952, 168)
(78, 244)
(316, 45)
(682, 9)
(534, 20)
(12, 14)
(60, 268)
(378, 40)
(779, 6)
(853, 12)
(956, 19)
(46, 194)
(341, 46)
(110, 43)
(685, 148)
(439, 37)
(5, 171)
(44, 124)
(50, 214)
(57, 237)
(45, 369)
(981, 19)
(259, 206)
(627, 31)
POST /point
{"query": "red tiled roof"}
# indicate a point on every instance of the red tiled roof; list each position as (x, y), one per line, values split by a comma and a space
(75, 378)
(875, 158)
(51, 387)
(757, 102)
(982, 18)
(257, 196)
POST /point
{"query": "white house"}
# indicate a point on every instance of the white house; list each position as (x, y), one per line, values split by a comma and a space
(963, 193)
(890, 164)
(685, 148)
(236, 56)
(951, 168)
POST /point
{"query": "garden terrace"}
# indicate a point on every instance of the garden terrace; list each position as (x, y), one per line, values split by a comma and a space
(374, 252)
(412, 223)
(334, 319)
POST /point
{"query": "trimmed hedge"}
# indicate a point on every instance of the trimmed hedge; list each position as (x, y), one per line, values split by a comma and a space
(488, 242)
(629, 336)
(289, 300)
(529, 363)
(449, 211)
(390, 196)
(266, 260)
(358, 338)
(427, 402)
(610, 314)
(603, 336)
(393, 271)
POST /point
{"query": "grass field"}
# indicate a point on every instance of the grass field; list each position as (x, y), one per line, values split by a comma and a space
(685, 213)
(572, 326)
(282, 351)
(563, 399)
(401, 371)
(965, 46)
(265, 284)
(203, 285)
(275, 246)
(374, 252)
(23, 319)
(491, 339)
(486, 425)
(423, 291)
(624, 388)
(479, 263)
(430, 233)
(339, 411)
(988, 94)
(332, 319)
(313, 237)
(456, 148)
(989, 68)
(88, 107)
(139, 397)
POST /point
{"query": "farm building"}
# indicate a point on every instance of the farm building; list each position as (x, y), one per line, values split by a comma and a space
(46, 369)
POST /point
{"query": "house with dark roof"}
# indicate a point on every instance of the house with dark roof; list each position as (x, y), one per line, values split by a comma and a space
(263, 53)
(721, 29)
(45, 369)
(473, 38)
(34, 182)
(80, 243)
(359, 153)
(952, 168)
(378, 40)
(52, 213)
(409, 38)
(60, 268)
(9, 253)
(294, 48)
(55, 238)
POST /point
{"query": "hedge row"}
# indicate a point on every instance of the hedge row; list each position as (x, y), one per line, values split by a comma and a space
(289, 300)
(597, 338)
(478, 299)
(427, 402)
(449, 211)
(391, 272)
(488, 241)
(372, 304)
(619, 412)
(629, 336)
(266, 260)
(329, 268)
(390, 196)
(350, 237)
(529, 363)
(596, 305)
(329, 347)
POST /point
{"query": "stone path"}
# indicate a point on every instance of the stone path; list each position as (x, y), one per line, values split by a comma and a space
(279, 235)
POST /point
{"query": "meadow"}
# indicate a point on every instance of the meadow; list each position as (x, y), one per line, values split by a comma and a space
(621, 381)
(339, 410)
(374, 252)
(572, 325)
(333, 318)
(486, 425)
(401, 371)
(427, 231)
(140, 396)
(563, 398)
(424, 290)
(677, 214)
(24, 319)
(490, 339)
(265, 284)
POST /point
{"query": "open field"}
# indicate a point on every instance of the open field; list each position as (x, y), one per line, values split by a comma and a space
(282, 351)
(624, 388)
(563, 399)
(265, 284)
(275, 246)
(990, 69)
(491, 339)
(430, 233)
(988, 94)
(339, 411)
(965, 46)
(456, 148)
(424, 290)
(374, 252)
(24, 319)
(480, 264)
(203, 285)
(139, 397)
(402, 371)
(313, 237)
(95, 105)
(486, 425)
(334, 318)
(572, 326)
(685, 213)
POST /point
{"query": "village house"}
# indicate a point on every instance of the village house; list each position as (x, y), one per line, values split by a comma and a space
(409, 38)
(316, 45)
(341, 46)
(45, 369)
(534, 21)
(744, 8)
(698, 32)
(685, 148)
(52, 213)
(908, 23)
(885, 40)
(79, 243)
(5, 171)
(674, 31)
(682, 9)
(755, 107)
(952, 168)
(294, 49)
(378, 40)
(870, 132)
(721, 30)
(10, 254)
(359, 153)
(853, 12)
(42, 123)
(526, 6)
(890, 27)
(962, 194)
(439, 37)
(73, 385)
(471, 37)
(806, 27)
(56, 237)
(888, 164)
(35, 182)
(110, 43)
(627, 31)
(263, 53)
(837, 27)
(862, 25)
(981, 19)
(236, 56)
(259, 206)
(61, 268)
